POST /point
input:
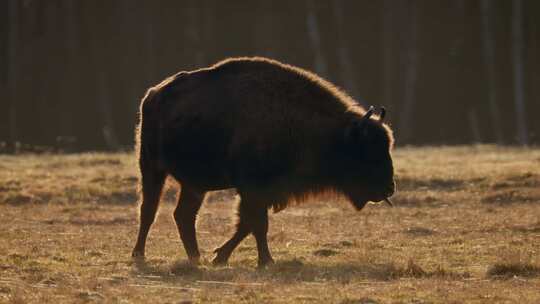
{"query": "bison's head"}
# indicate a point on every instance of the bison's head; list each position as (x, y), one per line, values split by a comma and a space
(367, 171)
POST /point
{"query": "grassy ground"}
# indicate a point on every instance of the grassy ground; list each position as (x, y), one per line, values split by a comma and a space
(466, 229)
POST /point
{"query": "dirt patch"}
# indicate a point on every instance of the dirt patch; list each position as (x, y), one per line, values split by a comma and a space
(531, 229)
(419, 231)
(413, 270)
(513, 269)
(412, 199)
(119, 198)
(99, 162)
(359, 301)
(115, 179)
(90, 296)
(346, 244)
(325, 252)
(10, 185)
(503, 197)
(290, 265)
(528, 180)
(99, 222)
(340, 244)
(432, 184)
(17, 199)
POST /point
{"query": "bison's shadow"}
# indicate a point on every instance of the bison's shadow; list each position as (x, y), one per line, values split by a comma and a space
(285, 271)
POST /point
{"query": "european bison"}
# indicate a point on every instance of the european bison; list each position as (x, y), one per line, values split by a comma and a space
(273, 131)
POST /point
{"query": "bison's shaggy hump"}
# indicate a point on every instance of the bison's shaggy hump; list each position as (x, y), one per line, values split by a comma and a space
(288, 74)
(270, 65)
(275, 132)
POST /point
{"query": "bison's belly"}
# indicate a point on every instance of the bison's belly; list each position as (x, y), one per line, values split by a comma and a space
(196, 153)
(200, 167)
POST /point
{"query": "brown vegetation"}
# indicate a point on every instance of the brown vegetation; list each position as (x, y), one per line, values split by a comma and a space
(67, 224)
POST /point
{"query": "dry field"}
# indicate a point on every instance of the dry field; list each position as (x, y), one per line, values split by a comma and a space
(466, 229)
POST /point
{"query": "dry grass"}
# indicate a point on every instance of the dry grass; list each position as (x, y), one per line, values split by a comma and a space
(466, 229)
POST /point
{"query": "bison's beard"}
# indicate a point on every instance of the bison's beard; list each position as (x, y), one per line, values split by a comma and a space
(359, 205)
(358, 202)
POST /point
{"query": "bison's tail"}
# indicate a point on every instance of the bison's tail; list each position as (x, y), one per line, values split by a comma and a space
(139, 128)
(148, 137)
(147, 131)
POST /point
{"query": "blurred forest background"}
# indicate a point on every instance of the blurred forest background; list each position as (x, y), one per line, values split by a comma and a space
(448, 71)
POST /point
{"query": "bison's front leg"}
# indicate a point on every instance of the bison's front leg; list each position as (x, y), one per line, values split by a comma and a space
(253, 218)
(260, 230)
(224, 252)
(185, 216)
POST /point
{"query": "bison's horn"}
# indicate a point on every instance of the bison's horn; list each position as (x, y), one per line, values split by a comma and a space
(383, 113)
(368, 113)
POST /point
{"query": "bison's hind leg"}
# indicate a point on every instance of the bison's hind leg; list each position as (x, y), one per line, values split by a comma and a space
(152, 180)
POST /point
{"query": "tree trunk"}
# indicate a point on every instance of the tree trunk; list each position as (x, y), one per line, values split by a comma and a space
(406, 126)
(519, 87)
(533, 64)
(193, 32)
(315, 38)
(344, 58)
(149, 66)
(12, 74)
(488, 42)
(388, 56)
(264, 32)
(69, 91)
(105, 111)
(128, 13)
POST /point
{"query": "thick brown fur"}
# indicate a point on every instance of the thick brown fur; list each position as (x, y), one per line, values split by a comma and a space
(275, 132)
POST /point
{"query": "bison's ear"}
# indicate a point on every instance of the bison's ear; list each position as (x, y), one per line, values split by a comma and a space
(383, 113)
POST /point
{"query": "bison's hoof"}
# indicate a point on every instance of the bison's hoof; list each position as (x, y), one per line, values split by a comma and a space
(264, 263)
(219, 261)
(221, 258)
(195, 261)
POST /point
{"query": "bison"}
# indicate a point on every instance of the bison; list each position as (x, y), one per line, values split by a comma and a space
(275, 132)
